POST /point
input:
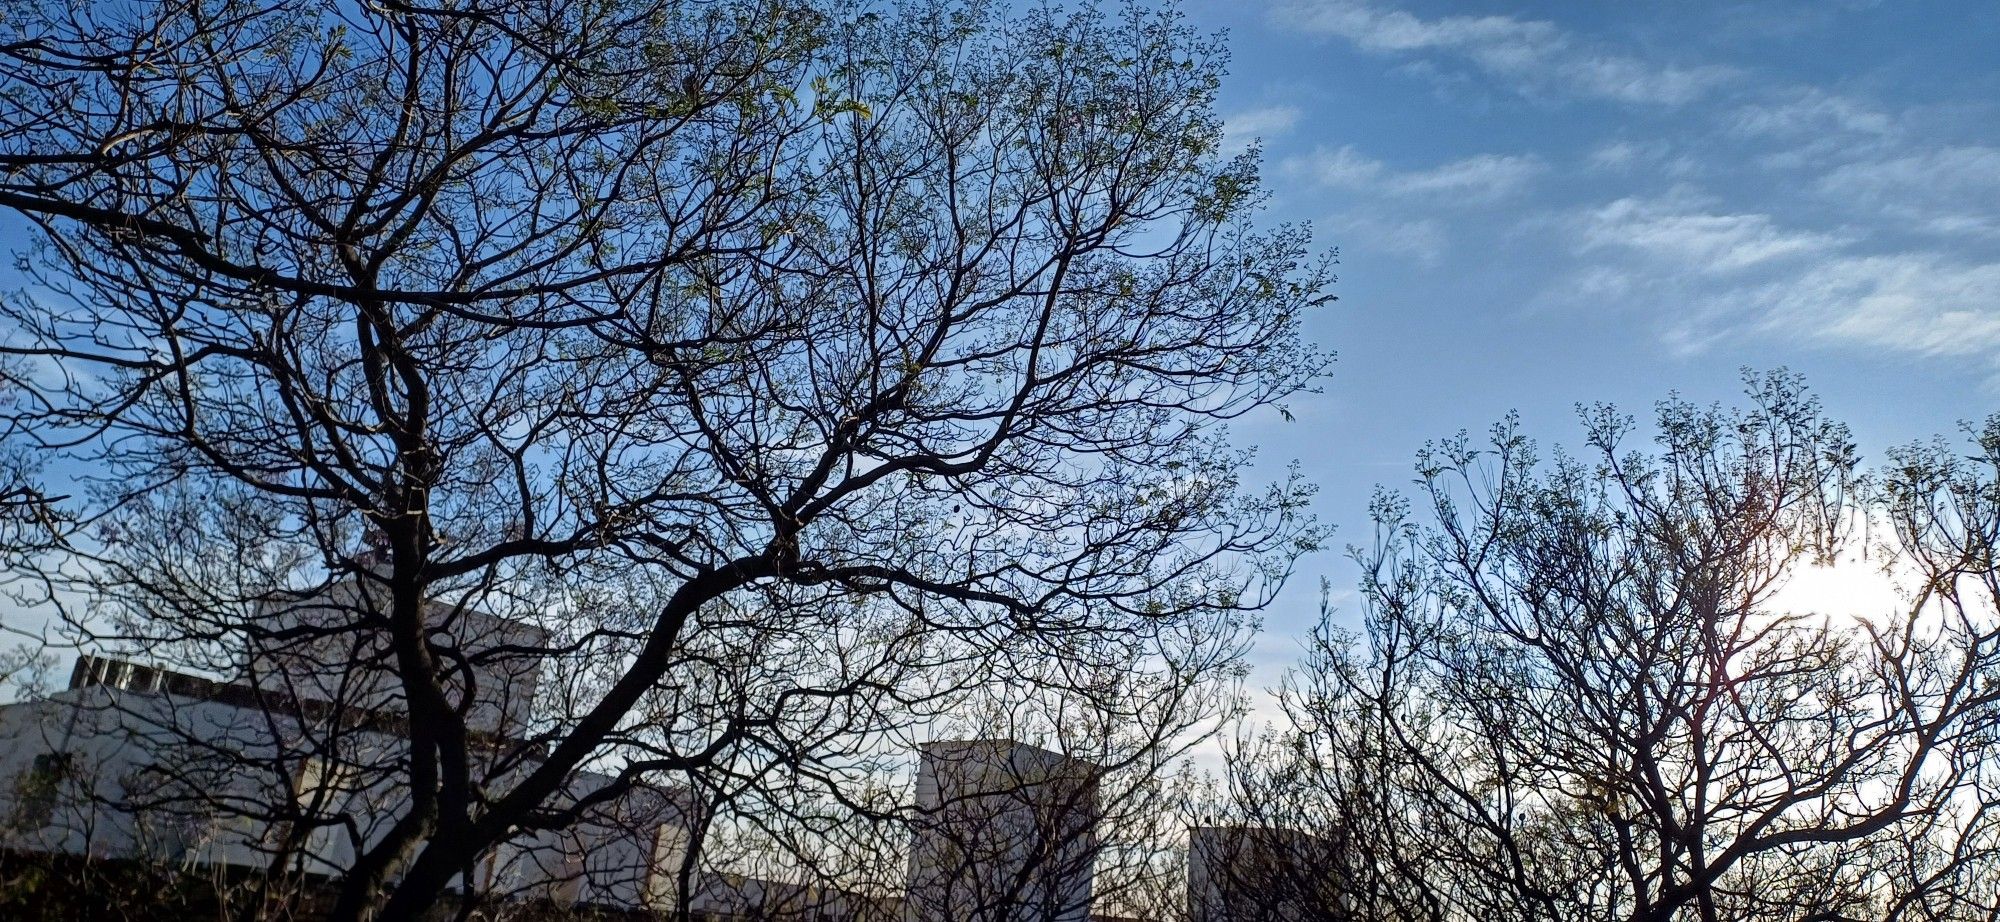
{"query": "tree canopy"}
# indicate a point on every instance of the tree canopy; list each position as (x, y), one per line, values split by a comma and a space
(795, 369)
(1581, 693)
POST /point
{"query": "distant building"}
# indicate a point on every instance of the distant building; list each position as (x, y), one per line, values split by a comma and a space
(1004, 832)
(1258, 874)
(142, 764)
(139, 764)
(330, 646)
(738, 898)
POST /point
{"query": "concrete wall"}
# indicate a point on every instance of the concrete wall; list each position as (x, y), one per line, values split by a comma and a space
(331, 646)
(1005, 833)
(177, 771)
(162, 778)
(1256, 874)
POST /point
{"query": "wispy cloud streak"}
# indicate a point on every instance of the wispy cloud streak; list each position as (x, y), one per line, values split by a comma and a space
(1534, 55)
(1477, 179)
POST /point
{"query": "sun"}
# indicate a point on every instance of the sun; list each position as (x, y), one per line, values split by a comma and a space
(1849, 587)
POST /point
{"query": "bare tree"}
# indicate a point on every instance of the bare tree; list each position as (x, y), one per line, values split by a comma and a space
(1052, 796)
(1582, 697)
(784, 371)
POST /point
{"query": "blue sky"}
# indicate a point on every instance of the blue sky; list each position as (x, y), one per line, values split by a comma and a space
(1542, 203)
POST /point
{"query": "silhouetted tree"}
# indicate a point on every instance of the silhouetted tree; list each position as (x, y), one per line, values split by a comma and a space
(1000, 811)
(787, 370)
(1582, 696)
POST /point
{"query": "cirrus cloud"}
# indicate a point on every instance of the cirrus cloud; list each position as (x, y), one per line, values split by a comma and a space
(1710, 275)
(1476, 179)
(1535, 56)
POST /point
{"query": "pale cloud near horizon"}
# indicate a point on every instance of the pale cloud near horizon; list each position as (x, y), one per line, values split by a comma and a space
(1534, 55)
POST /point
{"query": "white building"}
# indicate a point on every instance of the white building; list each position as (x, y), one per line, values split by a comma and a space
(723, 897)
(294, 767)
(332, 646)
(1004, 832)
(1257, 874)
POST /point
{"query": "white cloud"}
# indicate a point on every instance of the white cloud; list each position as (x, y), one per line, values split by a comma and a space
(1618, 155)
(1342, 167)
(1947, 170)
(1712, 277)
(1657, 157)
(1810, 112)
(1533, 54)
(1392, 212)
(1422, 240)
(1482, 177)
(1667, 232)
(1269, 122)
(1942, 191)
(1809, 128)
(1921, 303)
(1476, 179)
(1957, 225)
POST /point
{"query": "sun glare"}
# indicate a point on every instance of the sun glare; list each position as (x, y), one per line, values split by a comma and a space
(1846, 589)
